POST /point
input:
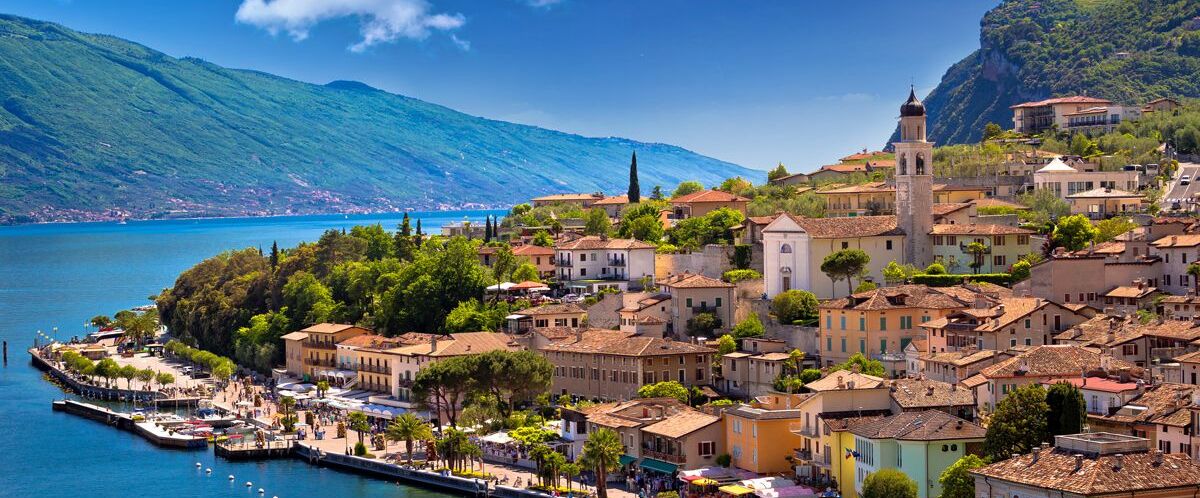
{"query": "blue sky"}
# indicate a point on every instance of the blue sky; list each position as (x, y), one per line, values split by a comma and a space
(755, 83)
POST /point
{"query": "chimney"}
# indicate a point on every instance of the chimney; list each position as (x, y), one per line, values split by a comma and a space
(840, 382)
(1078, 462)
(929, 391)
(433, 343)
(1037, 452)
(1118, 461)
(1158, 457)
(850, 385)
(579, 334)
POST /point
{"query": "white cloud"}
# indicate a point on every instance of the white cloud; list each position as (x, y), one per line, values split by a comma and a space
(382, 21)
(542, 3)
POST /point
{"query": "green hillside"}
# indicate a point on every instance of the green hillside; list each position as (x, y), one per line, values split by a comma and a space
(1128, 51)
(93, 124)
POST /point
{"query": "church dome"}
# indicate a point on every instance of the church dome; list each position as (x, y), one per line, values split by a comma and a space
(912, 107)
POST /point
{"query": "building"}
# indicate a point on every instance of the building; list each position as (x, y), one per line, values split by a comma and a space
(921, 444)
(877, 198)
(884, 320)
(1002, 246)
(1177, 252)
(1082, 279)
(1185, 307)
(1161, 104)
(1102, 396)
(611, 365)
(1038, 116)
(914, 182)
(919, 394)
(839, 395)
(318, 348)
(697, 204)
(693, 294)
(294, 354)
(612, 205)
(564, 315)
(465, 228)
(1107, 202)
(1128, 299)
(1065, 181)
(1128, 340)
(639, 307)
(757, 434)
(1001, 322)
(794, 246)
(581, 200)
(541, 257)
(751, 371)
(418, 351)
(1041, 364)
(369, 357)
(591, 263)
(1100, 119)
(1160, 413)
(1089, 465)
(955, 367)
(661, 435)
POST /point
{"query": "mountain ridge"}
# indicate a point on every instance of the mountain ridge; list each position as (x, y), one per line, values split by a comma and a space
(97, 127)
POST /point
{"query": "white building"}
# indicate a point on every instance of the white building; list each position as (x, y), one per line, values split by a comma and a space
(591, 263)
(1177, 252)
(1063, 180)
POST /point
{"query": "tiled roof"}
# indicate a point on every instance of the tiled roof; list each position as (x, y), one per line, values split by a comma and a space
(1185, 240)
(1052, 361)
(595, 242)
(975, 229)
(926, 393)
(841, 380)
(693, 281)
(1099, 384)
(962, 358)
(840, 228)
(903, 297)
(295, 336)
(328, 328)
(994, 202)
(1172, 299)
(1105, 193)
(567, 197)
(682, 423)
(552, 309)
(370, 341)
(708, 196)
(858, 156)
(945, 208)
(864, 188)
(642, 300)
(927, 425)
(844, 168)
(1131, 291)
(1075, 99)
(1108, 331)
(1097, 475)
(610, 342)
(460, 344)
(613, 200)
(1158, 404)
(532, 250)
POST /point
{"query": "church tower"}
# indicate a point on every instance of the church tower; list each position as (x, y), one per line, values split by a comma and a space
(914, 183)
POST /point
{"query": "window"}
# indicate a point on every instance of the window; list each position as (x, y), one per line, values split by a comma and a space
(829, 321)
(862, 323)
(1012, 343)
(583, 256)
(843, 323)
(862, 346)
(689, 302)
(1028, 341)
(843, 344)
(999, 260)
(1023, 240)
(829, 344)
(998, 240)
(718, 305)
(889, 245)
(882, 346)
(883, 323)
(785, 249)
(707, 448)
(845, 245)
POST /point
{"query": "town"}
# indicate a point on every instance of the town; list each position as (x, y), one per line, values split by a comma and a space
(889, 327)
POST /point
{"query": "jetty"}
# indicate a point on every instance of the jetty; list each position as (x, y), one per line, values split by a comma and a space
(147, 429)
(105, 393)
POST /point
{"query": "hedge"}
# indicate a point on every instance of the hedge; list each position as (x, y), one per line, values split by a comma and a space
(1004, 279)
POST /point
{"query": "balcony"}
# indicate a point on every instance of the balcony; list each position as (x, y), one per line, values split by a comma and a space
(317, 362)
(319, 345)
(803, 429)
(379, 369)
(565, 263)
(616, 262)
(666, 457)
(803, 455)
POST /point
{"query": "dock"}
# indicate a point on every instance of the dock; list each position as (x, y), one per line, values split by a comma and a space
(148, 430)
(105, 393)
(250, 451)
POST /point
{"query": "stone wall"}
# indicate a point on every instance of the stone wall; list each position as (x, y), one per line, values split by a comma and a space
(712, 261)
(796, 337)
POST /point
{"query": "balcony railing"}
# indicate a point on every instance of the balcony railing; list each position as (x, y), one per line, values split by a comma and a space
(317, 362)
(804, 455)
(320, 345)
(666, 457)
(616, 262)
(803, 429)
(379, 369)
(565, 263)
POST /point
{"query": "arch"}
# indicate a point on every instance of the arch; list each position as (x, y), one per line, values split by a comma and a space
(903, 163)
(785, 249)
(920, 168)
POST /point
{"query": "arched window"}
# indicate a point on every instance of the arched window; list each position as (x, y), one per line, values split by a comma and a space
(903, 165)
(920, 163)
(785, 249)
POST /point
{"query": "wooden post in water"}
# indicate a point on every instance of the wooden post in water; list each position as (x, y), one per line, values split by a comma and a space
(6, 352)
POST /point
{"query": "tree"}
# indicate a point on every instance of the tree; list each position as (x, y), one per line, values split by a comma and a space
(992, 130)
(666, 389)
(865, 365)
(935, 269)
(487, 230)
(1021, 270)
(957, 481)
(408, 428)
(1067, 410)
(274, 255)
(845, 264)
(526, 273)
(542, 238)
(1074, 232)
(602, 453)
(596, 222)
(726, 344)
(358, 422)
(794, 305)
(635, 191)
(503, 266)
(443, 385)
(777, 172)
(646, 229)
(1109, 229)
(145, 376)
(223, 372)
(322, 388)
(1018, 424)
(703, 323)
(865, 286)
(100, 321)
(569, 471)
(511, 377)
(888, 483)
(896, 274)
(750, 327)
(1193, 269)
(977, 251)
(164, 379)
(687, 187)
(657, 193)
(128, 372)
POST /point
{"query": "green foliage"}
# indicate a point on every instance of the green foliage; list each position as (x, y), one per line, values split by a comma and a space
(864, 364)
(888, 483)
(735, 276)
(992, 130)
(935, 269)
(1109, 229)
(542, 238)
(741, 256)
(1044, 206)
(475, 316)
(667, 389)
(724, 459)
(1021, 270)
(508, 377)
(596, 222)
(646, 229)
(527, 272)
(602, 454)
(1018, 424)
(726, 344)
(896, 274)
(1074, 232)
(1067, 412)
(957, 481)
(777, 172)
(1003, 279)
(641, 221)
(259, 345)
(687, 187)
(865, 286)
(703, 324)
(794, 306)
(750, 327)
(770, 199)
(845, 264)
(634, 193)
(736, 185)
(715, 227)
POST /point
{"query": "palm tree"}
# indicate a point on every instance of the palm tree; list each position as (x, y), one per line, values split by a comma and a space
(358, 423)
(408, 428)
(287, 402)
(602, 452)
(569, 471)
(1194, 270)
(976, 250)
(322, 388)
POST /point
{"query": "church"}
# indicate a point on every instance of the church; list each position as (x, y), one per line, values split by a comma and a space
(794, 247)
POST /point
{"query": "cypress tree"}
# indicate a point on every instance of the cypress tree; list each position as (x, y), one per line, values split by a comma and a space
(635, 191)
(487, 230)
(274, 254)
(419, 227)
(1067, 411)
(405, 227)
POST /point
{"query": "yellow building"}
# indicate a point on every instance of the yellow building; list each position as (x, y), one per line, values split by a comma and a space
(369, 356)
(838, 395)
(884, 320)
(879, 198)
(318, 351)
(757, 435)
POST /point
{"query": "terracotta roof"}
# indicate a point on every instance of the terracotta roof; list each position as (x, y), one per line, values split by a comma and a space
(904, 297)
(974, 381)
(844, 168)
(927, 425)
(864, 188)
(613, 200)
(567, 197)
(328, 328)
(840, 228)
(412, 338)
(945, 208)
(1097, 475)
(1052, 361)
(962, 358)
(552, 309)
(858, 156)
(1105, 193)
(1106, 331)
(1185, 240)
(994, 202)
(532, 250)
(460, 344)
(693, 281)
(840, 381)
(1173, 299)
(600, 341)
(528, 284)
(1131, 291)
(1158, 404)
(1075, 99)
(926, 393)
(708, 196)
(851, 422)
(295, 336)
(370, 341)
(682, 423)
(595, 242)
(1098, 384)
(642, 300)
(974, 229)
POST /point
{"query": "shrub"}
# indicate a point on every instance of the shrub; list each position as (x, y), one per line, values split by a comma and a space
(735, 276)
(935, 269)
(934, 280)
(794, 305)
(666, 248)
(1020, 270)
(724, 459)
(360, 449)
(750, 327)
(864, 286)
(741, 256)
(702, 324)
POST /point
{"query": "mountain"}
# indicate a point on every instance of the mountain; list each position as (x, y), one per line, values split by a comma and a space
(1128, 51)
(93, 126)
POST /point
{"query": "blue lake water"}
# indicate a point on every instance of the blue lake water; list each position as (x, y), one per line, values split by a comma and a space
(61, 275)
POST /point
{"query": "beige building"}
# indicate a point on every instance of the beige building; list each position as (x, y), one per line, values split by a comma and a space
(1106, 202)
(1040, 364)
(541, 257)
(955, 367)
(319, 349)
(1004, 245)
(640, 307)
(697, 204)
(879, 198)
(612, 205)
(1128, 340)
(661, 435)
(425, 349)
(568, 315)
(1065, 181)
(692, 294)
(581, 200)
(794, 247)
(370, 357)
(591, 263)
(1000, 324)
(751, 371)
(1074, 280)
(611, 365)
(1038, 116)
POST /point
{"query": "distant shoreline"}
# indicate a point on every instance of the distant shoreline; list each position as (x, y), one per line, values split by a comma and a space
(115, 220)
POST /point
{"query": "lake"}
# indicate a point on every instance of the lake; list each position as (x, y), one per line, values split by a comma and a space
(60, 275)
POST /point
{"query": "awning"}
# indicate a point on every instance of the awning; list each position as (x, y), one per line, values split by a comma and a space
(735, 490)
(498, 438)
(658, 465)
(626, 460)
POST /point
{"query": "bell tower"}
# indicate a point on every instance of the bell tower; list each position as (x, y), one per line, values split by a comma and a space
(914, 183)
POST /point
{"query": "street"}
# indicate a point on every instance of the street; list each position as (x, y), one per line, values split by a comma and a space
(1183, 194)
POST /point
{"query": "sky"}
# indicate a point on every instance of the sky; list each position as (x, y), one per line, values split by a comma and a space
(751, 82)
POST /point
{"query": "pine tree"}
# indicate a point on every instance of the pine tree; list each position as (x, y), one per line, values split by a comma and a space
(635, 191)
(419, 228)
(487, 230)
(274, 255)
(405, 226)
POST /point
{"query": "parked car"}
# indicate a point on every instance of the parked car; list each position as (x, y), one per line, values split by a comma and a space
(1185, 179)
